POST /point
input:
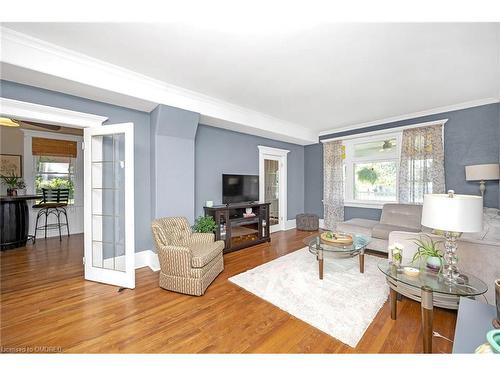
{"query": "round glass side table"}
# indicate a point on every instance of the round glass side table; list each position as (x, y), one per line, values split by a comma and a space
(426, 287)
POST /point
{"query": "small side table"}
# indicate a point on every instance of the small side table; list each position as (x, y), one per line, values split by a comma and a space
(432, 286)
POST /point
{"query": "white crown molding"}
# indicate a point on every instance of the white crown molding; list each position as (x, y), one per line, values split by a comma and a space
(20, 50)
(386, 131)
(49, 115)
(273, 151)
(414, 115)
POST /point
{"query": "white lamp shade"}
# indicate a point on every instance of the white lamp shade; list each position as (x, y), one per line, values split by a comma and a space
(482, 172)
(460, 213)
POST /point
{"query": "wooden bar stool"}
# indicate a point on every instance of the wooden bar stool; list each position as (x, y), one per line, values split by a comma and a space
(54, 202)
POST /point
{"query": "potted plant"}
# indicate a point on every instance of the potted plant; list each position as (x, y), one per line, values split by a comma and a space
(204, 224)
(13, 182)
(368, 175)
(428, 251)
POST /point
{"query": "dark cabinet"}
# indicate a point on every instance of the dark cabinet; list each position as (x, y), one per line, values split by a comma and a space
(241, 225)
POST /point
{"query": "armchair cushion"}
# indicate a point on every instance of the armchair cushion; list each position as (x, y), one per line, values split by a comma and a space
(202, 238)
(203, 253)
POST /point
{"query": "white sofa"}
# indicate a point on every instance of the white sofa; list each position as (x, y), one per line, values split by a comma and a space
(478, 253)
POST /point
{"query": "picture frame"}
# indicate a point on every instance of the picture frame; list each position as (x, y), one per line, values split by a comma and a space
(11, 163)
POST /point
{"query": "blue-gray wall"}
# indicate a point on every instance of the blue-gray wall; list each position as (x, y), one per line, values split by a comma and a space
(115, 114)
(173, 132)
(471, 136)
(221, 151)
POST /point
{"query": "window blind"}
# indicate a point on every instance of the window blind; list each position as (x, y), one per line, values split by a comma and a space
(53, 147)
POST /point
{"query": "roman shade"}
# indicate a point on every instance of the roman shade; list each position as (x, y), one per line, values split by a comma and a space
(53, 147)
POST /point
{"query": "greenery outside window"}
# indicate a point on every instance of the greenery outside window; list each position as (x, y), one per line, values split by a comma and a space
(55, 172)
(372, 170)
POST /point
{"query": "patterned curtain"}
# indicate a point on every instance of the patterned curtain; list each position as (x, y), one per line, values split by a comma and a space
(421, 170)
(333, 184)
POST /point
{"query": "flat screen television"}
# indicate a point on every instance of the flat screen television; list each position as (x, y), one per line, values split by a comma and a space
(238, 188)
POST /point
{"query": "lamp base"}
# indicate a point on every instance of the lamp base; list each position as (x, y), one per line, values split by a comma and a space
(450, 269)
(482, 187)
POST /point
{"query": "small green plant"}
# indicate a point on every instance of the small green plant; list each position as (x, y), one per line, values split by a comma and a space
(204, 224)
(368, 175)
(427, 249)
(13, 182)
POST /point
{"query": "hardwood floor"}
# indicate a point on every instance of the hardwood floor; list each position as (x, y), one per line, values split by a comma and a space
(45, 302)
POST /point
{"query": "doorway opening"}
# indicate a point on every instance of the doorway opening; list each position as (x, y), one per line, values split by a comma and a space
(106, 188)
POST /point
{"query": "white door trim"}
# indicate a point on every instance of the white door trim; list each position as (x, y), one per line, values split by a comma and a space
(281, 156)
(124, 279)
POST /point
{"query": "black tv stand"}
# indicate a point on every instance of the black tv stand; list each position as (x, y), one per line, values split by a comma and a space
(238, 231)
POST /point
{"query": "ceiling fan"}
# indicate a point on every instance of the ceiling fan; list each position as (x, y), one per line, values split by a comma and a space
(16, 123)
(43, 126)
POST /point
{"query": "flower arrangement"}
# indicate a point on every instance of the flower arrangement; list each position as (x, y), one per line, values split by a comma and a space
(396, 251)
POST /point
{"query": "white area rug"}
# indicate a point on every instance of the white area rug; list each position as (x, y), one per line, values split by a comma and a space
(342, 305)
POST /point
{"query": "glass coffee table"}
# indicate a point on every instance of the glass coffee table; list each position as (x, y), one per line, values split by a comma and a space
(430, 288)
(318, 247)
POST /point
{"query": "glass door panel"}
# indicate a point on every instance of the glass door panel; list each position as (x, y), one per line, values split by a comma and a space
(108, 202)
(272, 189)
(109, 238)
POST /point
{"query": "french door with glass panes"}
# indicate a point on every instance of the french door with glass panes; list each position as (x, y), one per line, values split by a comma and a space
(273, 184)
(109, 205)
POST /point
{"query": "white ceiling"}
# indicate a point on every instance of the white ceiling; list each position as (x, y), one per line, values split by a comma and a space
(322, 77)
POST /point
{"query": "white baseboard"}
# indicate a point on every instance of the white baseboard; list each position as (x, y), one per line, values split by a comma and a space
(290, 224)
(321, 223)
(147, 258)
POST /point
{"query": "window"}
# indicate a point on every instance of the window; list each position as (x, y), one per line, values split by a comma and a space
(54, 165)
(55, 172)
(371, 169)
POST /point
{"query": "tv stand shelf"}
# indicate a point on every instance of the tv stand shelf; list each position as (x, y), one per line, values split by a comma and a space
(237, 231)
(243, 221)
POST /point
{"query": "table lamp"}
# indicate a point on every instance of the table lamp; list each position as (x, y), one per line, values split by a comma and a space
(482, 173)
(453, 214)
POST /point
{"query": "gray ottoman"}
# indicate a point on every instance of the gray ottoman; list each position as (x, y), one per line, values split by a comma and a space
(309, 222)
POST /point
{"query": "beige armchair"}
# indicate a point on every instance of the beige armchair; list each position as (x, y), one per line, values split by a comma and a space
(189, 262)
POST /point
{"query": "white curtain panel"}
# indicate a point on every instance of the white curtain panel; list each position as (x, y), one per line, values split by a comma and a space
(333, 184)
(421, 169)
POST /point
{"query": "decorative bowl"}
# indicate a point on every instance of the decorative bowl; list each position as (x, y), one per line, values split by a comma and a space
(336, 238)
